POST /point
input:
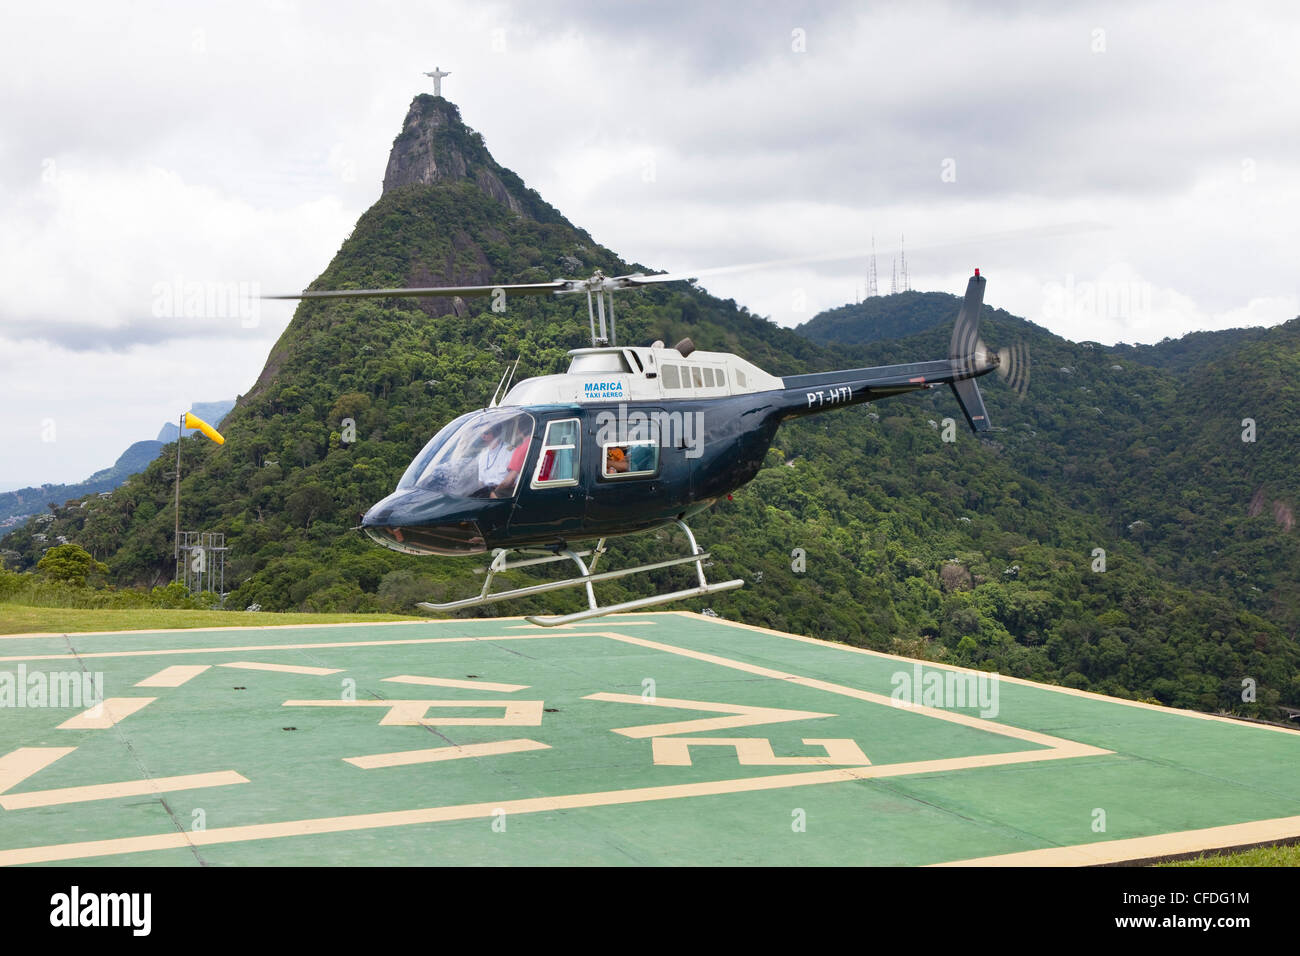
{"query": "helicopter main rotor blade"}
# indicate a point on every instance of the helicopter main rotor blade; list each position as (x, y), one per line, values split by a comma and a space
(640, 279)
(524, 288)
(601, 283)
(1036, 232)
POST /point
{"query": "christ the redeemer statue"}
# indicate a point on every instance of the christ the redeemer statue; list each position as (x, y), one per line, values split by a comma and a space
(437, 75)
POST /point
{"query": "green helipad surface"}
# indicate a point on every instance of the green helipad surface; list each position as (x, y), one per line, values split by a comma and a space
(651, 739)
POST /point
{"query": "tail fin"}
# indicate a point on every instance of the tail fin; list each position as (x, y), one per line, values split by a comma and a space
(968, 355)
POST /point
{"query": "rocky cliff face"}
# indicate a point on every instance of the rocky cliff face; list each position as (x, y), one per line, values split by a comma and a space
(436, 146)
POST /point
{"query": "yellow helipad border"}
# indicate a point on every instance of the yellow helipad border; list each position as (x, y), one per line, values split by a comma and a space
(87, 655)
(1002, 678)
(1147, 848)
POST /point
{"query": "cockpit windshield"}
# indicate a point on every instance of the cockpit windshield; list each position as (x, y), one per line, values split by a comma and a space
(479, 455)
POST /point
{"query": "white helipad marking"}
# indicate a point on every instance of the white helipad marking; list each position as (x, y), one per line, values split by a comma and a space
(17, 765)
(454, 682)
(174, 676)
(112, 711)
(283, 668)
(127, 788)
(406, 757)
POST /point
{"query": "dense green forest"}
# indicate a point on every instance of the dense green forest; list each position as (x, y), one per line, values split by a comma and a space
(984, 551)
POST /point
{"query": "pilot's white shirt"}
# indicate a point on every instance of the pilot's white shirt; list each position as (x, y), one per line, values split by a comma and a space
(494, 464)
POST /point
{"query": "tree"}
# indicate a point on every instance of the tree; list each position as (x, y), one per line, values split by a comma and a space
(307, 502)
(70, 563)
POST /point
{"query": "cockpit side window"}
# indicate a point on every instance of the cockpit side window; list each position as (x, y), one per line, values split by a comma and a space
(481, 458)
(557, 465)
(421, 461)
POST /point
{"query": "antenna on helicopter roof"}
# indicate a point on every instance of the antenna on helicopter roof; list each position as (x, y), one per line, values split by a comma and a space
(506, 377)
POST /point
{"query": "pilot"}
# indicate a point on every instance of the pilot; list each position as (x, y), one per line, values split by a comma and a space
(493, 460)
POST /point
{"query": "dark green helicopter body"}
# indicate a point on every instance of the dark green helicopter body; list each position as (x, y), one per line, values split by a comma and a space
(689, 472)
(629, 440)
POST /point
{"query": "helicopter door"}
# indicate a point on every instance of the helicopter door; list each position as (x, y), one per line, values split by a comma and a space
(634, 474)
(552, 501)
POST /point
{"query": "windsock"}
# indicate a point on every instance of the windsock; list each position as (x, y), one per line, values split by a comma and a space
(193, 421)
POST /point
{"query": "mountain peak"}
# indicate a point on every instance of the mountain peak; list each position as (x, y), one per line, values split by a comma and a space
(435, 146)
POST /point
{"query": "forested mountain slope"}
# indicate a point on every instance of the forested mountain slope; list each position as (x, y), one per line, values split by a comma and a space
(866, 526)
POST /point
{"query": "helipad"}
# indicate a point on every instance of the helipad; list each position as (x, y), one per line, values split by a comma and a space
(651, 739)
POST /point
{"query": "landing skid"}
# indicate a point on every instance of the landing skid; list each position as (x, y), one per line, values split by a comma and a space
(587, 578)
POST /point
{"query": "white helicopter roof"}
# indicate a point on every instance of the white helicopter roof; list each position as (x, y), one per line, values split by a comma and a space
(634, 373)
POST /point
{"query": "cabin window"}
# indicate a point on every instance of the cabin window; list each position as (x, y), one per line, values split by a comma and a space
(697, 376)
(558, 463)
(670, 377)
(740, 378)
(631, 450)
(630, 459)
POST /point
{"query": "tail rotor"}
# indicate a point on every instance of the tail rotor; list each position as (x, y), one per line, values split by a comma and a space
(969, 354)
(1013, 367)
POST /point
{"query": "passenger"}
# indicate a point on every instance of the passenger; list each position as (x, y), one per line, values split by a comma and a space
(519, 445)
(641, 458)
(622, 459)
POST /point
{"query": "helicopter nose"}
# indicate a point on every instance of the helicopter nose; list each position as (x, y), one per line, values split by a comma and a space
(420, 522)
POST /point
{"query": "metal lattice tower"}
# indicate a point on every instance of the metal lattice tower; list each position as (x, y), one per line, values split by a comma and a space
(201, 561)
(871, 270)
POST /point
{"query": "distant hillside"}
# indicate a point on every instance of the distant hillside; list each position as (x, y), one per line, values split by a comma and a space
(28, 501)
(879, 318)
(889, 317)
(1154, 446)
(1193, 349)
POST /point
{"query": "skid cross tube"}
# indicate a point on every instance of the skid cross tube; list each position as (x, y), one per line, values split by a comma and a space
(586, 579)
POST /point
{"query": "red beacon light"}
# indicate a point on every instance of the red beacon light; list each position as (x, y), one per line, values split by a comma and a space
(977, 272)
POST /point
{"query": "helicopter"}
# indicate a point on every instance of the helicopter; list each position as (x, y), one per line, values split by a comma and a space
(631, 439)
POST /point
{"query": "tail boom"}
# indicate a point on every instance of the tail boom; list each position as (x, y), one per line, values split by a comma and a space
(968, 359)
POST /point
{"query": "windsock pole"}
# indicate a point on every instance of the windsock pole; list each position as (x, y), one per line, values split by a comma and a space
(176, 541)
(188, 420)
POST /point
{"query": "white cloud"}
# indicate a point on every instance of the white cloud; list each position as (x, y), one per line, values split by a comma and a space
(239, 142)
(70, 413)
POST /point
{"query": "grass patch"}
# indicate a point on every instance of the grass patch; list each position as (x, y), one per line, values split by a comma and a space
(22, 619)
(1257, 856)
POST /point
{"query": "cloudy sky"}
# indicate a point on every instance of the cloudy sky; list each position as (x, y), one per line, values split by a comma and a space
(147, 148)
